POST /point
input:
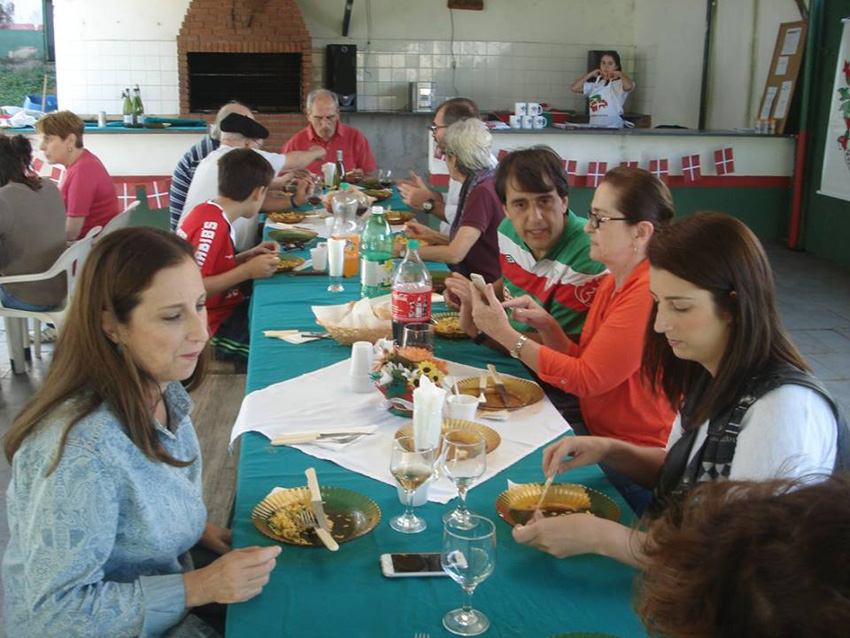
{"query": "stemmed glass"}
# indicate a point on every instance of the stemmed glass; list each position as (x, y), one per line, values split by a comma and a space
(336, 263)
(469, 557)
(463, 460)
(411, 466)
(385, 177)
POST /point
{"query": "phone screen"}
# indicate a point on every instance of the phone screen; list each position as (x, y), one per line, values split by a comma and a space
(413, 563)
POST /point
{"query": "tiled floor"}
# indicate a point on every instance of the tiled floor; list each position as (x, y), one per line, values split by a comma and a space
(814, 299)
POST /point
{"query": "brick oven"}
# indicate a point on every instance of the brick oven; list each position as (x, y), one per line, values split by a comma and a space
(255, 51)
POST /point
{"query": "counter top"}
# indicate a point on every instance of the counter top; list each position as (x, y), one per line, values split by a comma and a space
(671, 132)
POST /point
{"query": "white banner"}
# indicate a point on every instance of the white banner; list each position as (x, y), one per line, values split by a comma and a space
(835, 181)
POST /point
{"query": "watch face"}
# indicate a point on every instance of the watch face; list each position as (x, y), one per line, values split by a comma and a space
(428, 205)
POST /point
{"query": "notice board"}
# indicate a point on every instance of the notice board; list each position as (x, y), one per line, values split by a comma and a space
(783, 73)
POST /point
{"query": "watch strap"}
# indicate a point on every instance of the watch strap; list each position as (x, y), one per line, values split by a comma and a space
(480, 338)
(517, 349)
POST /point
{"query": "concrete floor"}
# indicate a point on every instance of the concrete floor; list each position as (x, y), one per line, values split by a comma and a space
(814, 300)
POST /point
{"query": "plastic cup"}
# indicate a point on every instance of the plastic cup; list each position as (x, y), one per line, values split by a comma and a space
(319, 255)
(461, 406)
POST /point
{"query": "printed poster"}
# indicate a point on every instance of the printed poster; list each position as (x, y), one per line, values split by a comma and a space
(835, 180)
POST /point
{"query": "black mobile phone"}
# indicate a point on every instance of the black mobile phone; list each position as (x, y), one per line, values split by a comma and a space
(411, 565)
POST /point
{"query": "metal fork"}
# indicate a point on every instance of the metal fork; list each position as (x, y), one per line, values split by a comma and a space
(347, 438)
(307, 517)
(482, 386)
(421, 634)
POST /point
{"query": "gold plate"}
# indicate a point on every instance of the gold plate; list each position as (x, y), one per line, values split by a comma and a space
(399, 216)
(516, 505)
(521, 392)
(491, 437)
(378, 194)
(351, 514)
(288, 262)
(287, 217)
(445, 329)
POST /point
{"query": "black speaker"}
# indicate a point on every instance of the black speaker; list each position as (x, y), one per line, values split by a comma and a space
(342, 74)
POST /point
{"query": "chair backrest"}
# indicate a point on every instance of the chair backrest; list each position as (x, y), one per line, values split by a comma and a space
(121, 220)
(72, 260)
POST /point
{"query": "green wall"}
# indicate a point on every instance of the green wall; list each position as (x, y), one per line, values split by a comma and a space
(11, 40)
(826, 227)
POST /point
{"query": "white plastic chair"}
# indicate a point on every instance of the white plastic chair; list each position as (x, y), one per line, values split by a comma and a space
(121, 220)
(70, 263)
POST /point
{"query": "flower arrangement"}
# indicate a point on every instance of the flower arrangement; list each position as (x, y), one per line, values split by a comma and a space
(397, 371)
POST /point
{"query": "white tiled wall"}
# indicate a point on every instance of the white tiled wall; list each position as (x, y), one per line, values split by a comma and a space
(494, 74)
(91, 75)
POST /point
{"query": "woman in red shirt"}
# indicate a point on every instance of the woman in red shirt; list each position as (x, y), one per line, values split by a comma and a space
(86, 188)
(604, 368)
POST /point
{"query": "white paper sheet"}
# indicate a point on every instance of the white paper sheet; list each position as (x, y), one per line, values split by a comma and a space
(781, 65)
(767, 105)
(791, 42)
(321, 400)
(783, 101)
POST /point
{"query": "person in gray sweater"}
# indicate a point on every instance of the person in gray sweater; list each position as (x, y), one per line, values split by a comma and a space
(32, 229)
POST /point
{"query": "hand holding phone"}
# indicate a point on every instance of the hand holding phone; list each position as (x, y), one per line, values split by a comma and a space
(411, 565)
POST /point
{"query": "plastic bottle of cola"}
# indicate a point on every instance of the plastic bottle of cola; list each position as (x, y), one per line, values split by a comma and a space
(411, 294)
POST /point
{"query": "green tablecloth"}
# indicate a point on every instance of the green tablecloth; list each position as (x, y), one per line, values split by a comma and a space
(315, 593)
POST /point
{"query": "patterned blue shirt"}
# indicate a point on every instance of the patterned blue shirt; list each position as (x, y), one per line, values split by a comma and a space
(99, 547)
(182, 177)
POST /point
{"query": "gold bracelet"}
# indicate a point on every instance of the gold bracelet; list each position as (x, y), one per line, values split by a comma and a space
(515, 351)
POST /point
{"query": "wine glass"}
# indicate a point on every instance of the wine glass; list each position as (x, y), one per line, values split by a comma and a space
(463, 460)
(385, 177)
(418, 335)
(411, 466)
(469, 557)
(336, 262)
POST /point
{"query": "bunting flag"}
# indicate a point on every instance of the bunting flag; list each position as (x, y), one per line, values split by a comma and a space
(56, 174)
(660, 168)
(126, 194)
(571, 166)
(595, 172)
(36, 165)
(503, 153)
(724, 161)
(691, 168)
(158, 192)
(629, 164)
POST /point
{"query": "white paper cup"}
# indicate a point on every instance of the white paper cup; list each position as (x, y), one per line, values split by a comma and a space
(319, 255)
(328, 172)
(527, 121)
(329, 225)
(420, 496)
(520, 108)
(361, 384)
(461, 406)
(361, 358)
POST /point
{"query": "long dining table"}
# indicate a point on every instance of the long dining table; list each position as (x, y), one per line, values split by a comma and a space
(316, 593)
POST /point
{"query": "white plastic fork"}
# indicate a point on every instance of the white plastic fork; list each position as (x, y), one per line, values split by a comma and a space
(482, 386)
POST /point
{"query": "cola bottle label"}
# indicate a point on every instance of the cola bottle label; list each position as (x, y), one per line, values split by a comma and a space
(410, 307)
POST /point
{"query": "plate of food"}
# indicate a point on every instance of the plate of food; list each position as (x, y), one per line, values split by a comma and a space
(399, 216)
(517, 504)
(438, 280)
(378, 194)
(402, 239)
(350, 515)
(287, 217)
(447, 325)
(288, 262)
(292, 235)
(491, 437)
(521, 392)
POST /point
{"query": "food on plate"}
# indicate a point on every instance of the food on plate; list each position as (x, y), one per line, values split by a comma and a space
(287, 217)
(402, 239)
(288, 262)
(399, 216)
(292, 235)
(449, 326)
(363, 200)
(379, 194)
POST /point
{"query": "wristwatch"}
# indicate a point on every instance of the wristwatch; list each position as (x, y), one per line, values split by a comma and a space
(428, 205)
(515, 351)
(480, 338)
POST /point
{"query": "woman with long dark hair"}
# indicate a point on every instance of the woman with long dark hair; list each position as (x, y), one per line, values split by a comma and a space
(748, 408)
(32, 229)
(105, 497)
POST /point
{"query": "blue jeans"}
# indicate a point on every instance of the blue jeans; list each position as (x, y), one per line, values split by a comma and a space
(10, 301)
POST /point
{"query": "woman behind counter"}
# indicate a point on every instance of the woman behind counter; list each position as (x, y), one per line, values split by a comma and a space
(606, 88)
(105, 498)
(87, 189)
(32, 232)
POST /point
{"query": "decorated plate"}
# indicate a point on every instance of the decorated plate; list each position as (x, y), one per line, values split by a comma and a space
(399, 216)
(491, 437)
(379, 194)
(521, 392)
(447, 325)
(350, 514)
(286, 217)
(516, 505)
(288, 262)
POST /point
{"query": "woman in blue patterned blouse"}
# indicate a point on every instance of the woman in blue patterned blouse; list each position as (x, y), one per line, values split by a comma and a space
(105, 498)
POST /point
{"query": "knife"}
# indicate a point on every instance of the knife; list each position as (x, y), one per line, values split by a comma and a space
(319, 510)
(500, 385)
(313, 435)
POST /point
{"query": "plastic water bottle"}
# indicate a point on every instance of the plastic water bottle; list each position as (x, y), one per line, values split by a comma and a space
(376, 255)
(411, 295)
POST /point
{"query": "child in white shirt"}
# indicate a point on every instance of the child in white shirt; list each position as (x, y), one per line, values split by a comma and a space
(607, 89)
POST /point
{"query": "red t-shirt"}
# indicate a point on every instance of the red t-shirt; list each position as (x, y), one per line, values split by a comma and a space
(88, 191)
(209, 232)
(356, 152)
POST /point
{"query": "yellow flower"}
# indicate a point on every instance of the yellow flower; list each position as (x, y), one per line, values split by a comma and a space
(431, 370)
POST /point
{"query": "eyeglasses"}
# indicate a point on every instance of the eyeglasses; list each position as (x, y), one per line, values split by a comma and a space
(596, 220)
(433, 128)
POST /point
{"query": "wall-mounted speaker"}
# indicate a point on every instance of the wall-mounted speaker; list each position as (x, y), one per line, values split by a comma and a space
(341, 60)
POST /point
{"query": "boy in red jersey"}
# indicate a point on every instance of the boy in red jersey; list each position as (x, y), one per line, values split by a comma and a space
(243, 179)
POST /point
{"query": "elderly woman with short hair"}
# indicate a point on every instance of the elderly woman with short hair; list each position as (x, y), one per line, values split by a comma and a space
(472, 245)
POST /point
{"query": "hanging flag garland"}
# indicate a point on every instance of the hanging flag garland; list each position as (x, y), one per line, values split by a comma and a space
(724, 161)
(691, 168)
(595, 172)
(660, 168)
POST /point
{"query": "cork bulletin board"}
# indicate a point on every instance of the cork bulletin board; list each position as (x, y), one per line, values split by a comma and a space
(783, 73)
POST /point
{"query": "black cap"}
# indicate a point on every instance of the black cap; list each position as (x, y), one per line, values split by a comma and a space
(236, 123)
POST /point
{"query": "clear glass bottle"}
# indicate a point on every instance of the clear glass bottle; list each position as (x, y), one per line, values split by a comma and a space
(128, 108)
(346, 227)
(411, 293)
(138, 108)
(376, 255)
(339, 172)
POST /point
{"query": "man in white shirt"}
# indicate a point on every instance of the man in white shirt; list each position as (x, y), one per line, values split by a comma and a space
(415, 192)
(241, 131)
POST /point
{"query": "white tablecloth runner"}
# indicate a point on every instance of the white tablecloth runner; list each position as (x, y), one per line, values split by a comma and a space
(321, 400)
